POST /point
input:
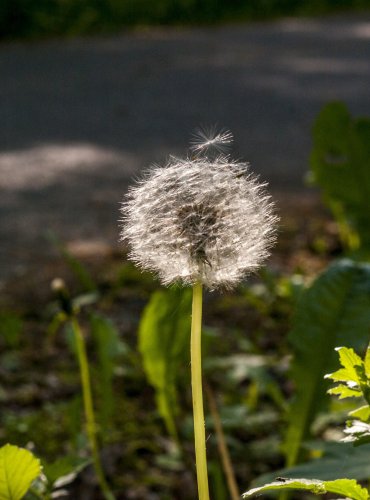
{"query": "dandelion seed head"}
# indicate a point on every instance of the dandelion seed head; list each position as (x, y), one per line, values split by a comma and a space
(199, 220)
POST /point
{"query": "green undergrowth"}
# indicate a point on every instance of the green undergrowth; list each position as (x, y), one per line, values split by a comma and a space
(270, 356)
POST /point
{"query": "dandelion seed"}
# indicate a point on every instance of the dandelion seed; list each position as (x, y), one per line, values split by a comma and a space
(204, 140)
(199, 220)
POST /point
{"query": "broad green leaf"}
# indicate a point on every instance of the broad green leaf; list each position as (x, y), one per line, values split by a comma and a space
(362, 413)
(340, 163)
(18, 469)
(341, 459)
(347, 488)
(164, 340)
(334, 310)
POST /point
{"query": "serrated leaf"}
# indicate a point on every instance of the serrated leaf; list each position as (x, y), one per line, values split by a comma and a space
(362, 413)
(350, 361)
(348, 488)
(18, 469)
(164, 336)
(334, 310)
(343, 391)
(340, 163)
(342, 375)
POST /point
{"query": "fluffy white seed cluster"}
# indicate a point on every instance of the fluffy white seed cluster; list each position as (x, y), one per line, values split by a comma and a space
(199, 220)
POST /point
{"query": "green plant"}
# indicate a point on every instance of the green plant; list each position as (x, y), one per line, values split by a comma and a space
(68, 313)
(200, 221)
(163, 339)
(340, 164)
(353, 380)
(328, 313)
(18, 470)
(347, 488)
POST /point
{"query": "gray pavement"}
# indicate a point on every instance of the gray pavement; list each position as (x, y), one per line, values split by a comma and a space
(79, 118)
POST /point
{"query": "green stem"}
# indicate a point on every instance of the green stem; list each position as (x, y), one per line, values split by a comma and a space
(196, 384)
(89, 409)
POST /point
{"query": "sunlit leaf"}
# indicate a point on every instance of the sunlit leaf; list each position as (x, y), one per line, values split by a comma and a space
(334, 310)
(349, 361)
(164, 336)
(362, 413)
(367, 362)
(343, 391)
(347, 488)
(18, 469)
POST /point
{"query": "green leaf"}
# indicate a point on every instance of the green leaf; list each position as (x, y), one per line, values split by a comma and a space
(65, 466)
(362, 413)
(18, 469)
(340, 163)
(164, 337)
(367, 362)
(343, 391)
(340, 459)
(334, 310)
(61, 473)
(349, 360)
(348, 488)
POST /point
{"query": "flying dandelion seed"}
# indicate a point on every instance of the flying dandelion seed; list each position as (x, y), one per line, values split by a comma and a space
(201, 219)
(203, 140)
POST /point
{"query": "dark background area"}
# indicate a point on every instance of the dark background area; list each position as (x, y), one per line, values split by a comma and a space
(45, 18)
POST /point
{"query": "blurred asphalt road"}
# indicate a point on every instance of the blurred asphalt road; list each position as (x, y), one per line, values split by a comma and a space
(78, 118)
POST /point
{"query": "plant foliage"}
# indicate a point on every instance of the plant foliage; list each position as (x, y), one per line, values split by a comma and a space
(164, 334)
(339, 459)
(354, 382)
(334, 310)
(347, 488)
(18, 469)
(340, 162)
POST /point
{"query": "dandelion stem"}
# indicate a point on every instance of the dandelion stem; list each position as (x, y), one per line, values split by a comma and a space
(89, 409)
(196, 384)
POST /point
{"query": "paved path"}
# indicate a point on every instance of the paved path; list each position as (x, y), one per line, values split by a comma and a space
(79, 118)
